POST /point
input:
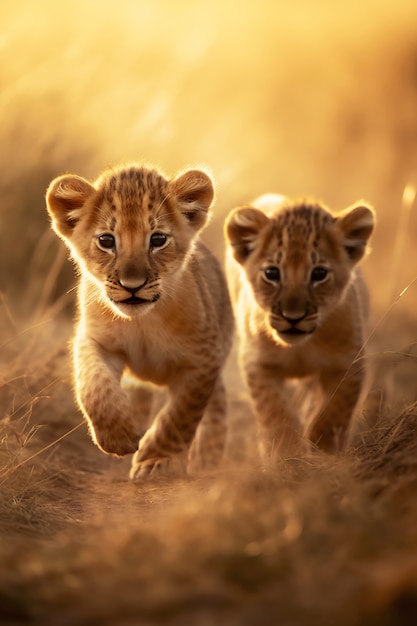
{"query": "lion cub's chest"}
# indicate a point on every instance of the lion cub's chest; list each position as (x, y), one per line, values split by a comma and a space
(151, 353)
(299, 361)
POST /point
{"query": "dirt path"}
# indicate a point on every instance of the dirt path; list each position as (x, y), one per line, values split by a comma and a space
(318, 540)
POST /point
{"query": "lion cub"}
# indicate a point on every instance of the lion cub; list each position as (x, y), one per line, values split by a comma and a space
(301, 307)
(153, 302)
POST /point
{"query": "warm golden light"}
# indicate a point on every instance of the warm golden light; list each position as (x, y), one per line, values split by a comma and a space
(304, 99)
(273, 97)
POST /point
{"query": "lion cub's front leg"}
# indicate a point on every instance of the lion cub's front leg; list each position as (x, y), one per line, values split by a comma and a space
(104, 404)
(208, 444)
(173, 429)
(329, 429)
(279, 429)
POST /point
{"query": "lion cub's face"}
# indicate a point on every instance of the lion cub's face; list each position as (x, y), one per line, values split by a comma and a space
(131, 230)
(298, 259)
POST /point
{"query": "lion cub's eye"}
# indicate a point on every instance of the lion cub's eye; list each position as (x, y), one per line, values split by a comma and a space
(158, 240)
(318, 274)
(106, 241)
(272, 273)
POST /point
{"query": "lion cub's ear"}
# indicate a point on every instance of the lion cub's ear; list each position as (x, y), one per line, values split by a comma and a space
(242, 228)
(356, 225)
(194, 191)
(65, 200)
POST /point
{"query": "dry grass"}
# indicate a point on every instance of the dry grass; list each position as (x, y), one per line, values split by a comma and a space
(273, 98)
(320, 540)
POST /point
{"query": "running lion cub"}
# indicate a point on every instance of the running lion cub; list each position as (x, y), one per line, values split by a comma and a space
(153, 302)
(301, 306)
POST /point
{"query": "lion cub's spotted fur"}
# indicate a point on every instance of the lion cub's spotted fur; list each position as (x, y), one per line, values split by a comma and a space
(152, 302)
(301, 307)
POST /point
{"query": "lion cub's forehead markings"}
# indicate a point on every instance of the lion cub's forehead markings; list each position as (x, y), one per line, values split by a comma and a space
(314, 257)
(296, 235)
(133, 194)
(105, 215)
(271, 248)
(112, 222)
(301, 228)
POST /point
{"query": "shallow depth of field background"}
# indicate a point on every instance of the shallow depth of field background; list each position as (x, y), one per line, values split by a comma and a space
(302, 98)
(299, 98)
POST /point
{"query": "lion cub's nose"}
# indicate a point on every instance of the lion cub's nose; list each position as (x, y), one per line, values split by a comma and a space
(293, 317)
(132, 284)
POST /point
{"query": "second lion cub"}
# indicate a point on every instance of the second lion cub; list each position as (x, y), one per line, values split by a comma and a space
(301, 307)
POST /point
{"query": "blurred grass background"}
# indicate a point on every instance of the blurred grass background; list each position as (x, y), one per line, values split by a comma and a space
(306, 99)
(302, 98)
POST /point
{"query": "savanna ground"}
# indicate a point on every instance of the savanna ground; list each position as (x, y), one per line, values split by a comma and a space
(301, 98)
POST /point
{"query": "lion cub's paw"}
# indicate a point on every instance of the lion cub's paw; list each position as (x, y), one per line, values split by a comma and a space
(118, 438)
(328, 438)
(159, 467)
(204, 460)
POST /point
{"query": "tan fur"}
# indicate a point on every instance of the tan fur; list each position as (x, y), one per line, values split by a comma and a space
(154, 304)
(301, 307)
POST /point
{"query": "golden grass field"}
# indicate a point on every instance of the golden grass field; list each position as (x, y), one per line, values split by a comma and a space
(304, 99)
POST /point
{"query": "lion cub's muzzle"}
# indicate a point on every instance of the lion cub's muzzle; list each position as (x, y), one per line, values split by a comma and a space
(137, 293)
(294, 326)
